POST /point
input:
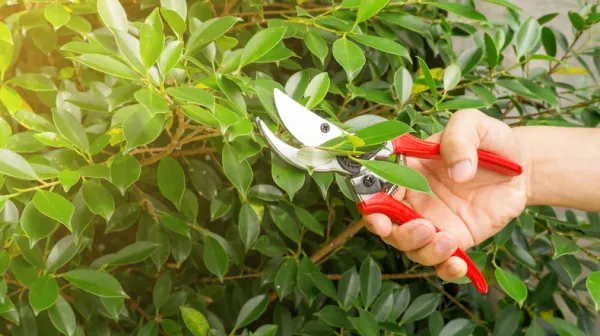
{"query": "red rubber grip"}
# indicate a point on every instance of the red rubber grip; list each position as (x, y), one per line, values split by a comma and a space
(414, 147)
(399, 213)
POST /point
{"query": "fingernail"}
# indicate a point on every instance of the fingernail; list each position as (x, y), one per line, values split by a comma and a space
(421, 232)
(461, 170)
(444, 245)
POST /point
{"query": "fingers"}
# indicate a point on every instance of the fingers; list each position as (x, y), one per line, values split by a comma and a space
(466, 131)
(453, 268)
(440, 248)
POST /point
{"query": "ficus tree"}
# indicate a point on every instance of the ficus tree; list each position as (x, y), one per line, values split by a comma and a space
(138, 198)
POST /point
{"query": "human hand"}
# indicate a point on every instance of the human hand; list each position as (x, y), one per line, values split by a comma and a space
(472, 204)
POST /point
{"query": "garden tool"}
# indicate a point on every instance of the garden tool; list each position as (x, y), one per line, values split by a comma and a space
(372, 193)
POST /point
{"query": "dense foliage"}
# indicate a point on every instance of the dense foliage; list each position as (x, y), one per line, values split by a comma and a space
(139, 199)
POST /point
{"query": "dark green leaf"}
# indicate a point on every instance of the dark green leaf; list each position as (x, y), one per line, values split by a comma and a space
(35, 224)
(98, 199)
(239, 173)
(251, 310)
(398, 174)
(528, 36)
(348, 287)
(95, 282)
(249, 225)
(62, 252)
(33, 255)
(512, 285)
(365, 323)
(286, 223)
(171, 180)
(215, 256)
(562, 246)
(459, 9)
(549, 41)
(565, 328)
(133, 253)
(335, 317)
(421, 307)
(383, 44)
(285, 279)
(370, 281)
(161, 290)
(62, 316)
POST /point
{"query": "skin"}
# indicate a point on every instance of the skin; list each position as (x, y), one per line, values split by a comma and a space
(560, 169)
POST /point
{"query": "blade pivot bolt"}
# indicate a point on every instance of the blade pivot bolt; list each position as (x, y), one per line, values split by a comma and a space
(325, 128)
(368, 180)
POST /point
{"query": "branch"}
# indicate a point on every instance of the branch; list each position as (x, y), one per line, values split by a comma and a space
(174, 140)
(329, 276)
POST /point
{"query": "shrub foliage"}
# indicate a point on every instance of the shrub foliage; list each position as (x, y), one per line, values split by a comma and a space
(138, 198)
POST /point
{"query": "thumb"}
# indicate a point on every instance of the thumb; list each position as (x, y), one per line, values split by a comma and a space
(466, 131)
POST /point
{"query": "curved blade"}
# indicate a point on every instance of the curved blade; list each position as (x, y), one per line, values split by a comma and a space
(290, 154)
(303, 124)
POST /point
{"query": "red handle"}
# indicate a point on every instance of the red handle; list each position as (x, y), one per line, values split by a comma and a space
(399, 213)
(415, 147)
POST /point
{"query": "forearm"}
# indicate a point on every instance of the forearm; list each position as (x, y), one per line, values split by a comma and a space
(563, 166)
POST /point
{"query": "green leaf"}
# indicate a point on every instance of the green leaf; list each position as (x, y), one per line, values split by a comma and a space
(459, 326)
(95, 282)
(317, 45)
(174, 20)
(261, 43)
(57, 15)
(486, 95)
(215, 256)
(13, 164)
(348, 287)
(34, 82)
(68, 178)
(563, 245)
(142, 127)
(133, 253)
(171, 328)
(107, 65)
(491, 52)
(421, 307)
(192, 94)
(95, 171)
(4, 261)
(176, 225)
(5, 132)
(266, 330)
(200, 115)
(5, 34)
(152, 101)
(33, 254)
(403, 85)
(459, 9)
(112, 14)
(43, 293)
(251, 310)
(209, 31)
(365, 323)
(369, 8)
(170, 55)
(285, 279)
(161, 290)
(398, 174)
(370, 281)
(196, 323)
(565, 328)
(549, 41)
(62, 252)
(286, 223)
(451, 76)
(592, 284)
(152, 42)
(71, 129)
(287, 177)
(512, 285)
(79, 24)
(576, 20)
(249, 225)
(335, 317)
(469, 58)
(386, 45)
(238, 172)
(309, 221)
(124, 171)
(407, 21)
(177, 6)
(54, 206)
(98, 199)
(505, 3)
(428, 77)
(381, 132)
(324, 284)
(171, 180)
(62, 316)
(349, 56)
(317, 90)
(232, 91)
(527, 37)
(461, 103)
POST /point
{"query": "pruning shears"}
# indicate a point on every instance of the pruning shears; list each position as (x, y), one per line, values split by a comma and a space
(372, 193)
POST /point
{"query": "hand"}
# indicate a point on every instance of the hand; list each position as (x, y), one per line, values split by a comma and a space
(472, 204)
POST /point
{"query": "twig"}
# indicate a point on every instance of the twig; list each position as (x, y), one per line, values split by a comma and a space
(339, 240)
(174, 140)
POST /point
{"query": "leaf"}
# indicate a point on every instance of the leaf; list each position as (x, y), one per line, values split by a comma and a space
(176, 225)
(57, 15)
(421, 307)
(98, 199)
(365, 323)
(68, 178)
(381, 132)
(505, 323)
(192, 94)
(261, 43)
(251, 310)
(71, 129)
(459, 326)
(287, 177)
(43, 293)
(107, 65)
(317, 90)
(486, 95)
(34, 82)
(324, 284)
(161, 290)
(461, 103)
(428, 78)
(54, 206)
(33, 254)
(4, 261)
(215, 256)
(62, 316)
(209, 31)
(95, 282)
(152, 42)
(349, 56)
(317, 45)
(266, 330)
(382, 307)
(565, 328)
(13, 164)
(384, 44)
(549, 41)
(403, 84)
(62, 252)
(285, 278)
(370, 281)
(576, 20)
(335, 317)
(112, 14)
(563, 245)
(459, 9)
(369, 8)
(5, 34)
(133, 253)
(505, 3)
(124, 171)
(171, 180)
(177, 6)
(141, 127)
(285, 223)
(196, 323)
(527, 37)
(348, 287)
(249, 225)
(238, 172)
(512, 285)
(169, 56)
(469, 58)
(151, 101)
(592, 284)
(309, 221)
(398, 174)
(451, 76)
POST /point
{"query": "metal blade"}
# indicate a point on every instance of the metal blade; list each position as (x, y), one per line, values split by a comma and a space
(304, 125)
(290, 155)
